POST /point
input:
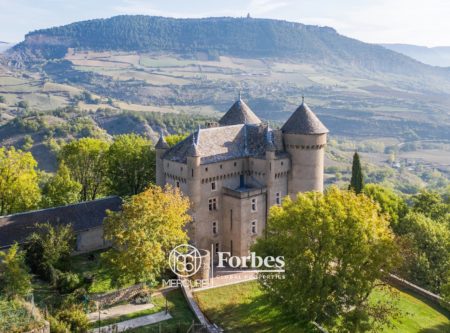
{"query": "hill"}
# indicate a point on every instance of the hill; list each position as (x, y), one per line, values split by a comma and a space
(435, 56)
(240, 37)
(197, 66)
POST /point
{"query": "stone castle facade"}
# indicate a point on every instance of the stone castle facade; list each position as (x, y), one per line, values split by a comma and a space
(233, 171)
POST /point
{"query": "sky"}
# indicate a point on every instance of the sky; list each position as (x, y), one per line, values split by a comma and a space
(416, 22)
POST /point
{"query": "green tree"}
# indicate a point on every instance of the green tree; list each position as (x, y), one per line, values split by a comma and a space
(14, 277)
(390, 203)
(131, 164)
(19, 186)
(173, 139)
(27, 142)
(357, 180)
(22, 104)
(61, 189)
(49, 248)
(2, 99)
(86, 159)
(150, 224)
(428, 261)
(430, 204)
(336, 248)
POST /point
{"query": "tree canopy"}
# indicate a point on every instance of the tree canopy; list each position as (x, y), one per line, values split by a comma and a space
(19, 188)
(86, 160)
(336, 247)
(131, 164)
(14, 277)
(149, 225)
(357, 180)
(61, 189)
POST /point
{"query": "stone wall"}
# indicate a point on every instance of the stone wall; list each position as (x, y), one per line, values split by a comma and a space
(120, 295)
(396, 281)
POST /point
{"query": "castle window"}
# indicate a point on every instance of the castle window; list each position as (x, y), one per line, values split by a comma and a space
(212, 204)
(254, 205)
(277, 198)
(192, 171)
(231, 247)
(206, 169)
(221, 166)
(253, 227)
(282, 163)
(217, 247)
(235, 164)
(215, 228)
(213, 186)
(181, 168)
(178, 184)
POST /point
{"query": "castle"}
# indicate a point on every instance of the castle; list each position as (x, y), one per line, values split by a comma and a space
(233, 171)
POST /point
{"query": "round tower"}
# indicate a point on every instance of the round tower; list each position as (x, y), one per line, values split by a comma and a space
(193, 160)
(161, 147)
(305, 138)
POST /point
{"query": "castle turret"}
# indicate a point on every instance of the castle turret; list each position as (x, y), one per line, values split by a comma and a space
(305, 138)
(161, 147)
(239, 113)
(194, 177)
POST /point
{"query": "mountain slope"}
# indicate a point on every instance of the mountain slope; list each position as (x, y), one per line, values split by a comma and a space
(242, 37)
(435, 56)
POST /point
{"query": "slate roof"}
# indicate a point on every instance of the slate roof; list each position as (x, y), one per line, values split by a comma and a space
(82, 216)
(222, 143)
(239, 113)
(304, 121)
(162, 144)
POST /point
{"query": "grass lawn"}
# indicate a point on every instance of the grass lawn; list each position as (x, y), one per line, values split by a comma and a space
(90, 263)
(182, 316)
(245, 306)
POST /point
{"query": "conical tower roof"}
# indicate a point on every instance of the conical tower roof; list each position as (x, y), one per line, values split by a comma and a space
(162, 144)
(239, 113)
(304, 121)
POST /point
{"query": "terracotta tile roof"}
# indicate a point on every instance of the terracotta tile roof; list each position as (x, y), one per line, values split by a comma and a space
(82, 216)
(304, 121)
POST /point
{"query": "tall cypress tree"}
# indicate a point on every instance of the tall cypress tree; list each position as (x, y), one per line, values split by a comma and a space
(357, 181)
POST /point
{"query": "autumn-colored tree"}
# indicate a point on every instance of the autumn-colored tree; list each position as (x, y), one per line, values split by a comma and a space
(14, 277)
(19, 187)
(336, 247)
(173, 139)
(60, 189)
(149, 225)
(86, 160)
(357, 180)
(131, 164)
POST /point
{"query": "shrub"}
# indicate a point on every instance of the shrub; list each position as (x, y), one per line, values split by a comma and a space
(57, 326)
(75, 318)
(66, 282)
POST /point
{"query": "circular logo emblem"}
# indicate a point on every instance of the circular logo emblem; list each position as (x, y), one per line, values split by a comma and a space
(185, 260)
